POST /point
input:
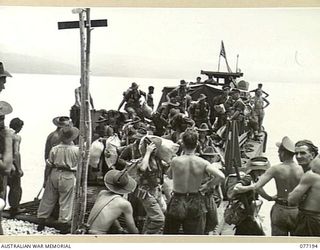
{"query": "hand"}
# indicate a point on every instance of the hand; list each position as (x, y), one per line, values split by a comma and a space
(239, 188)
(20, 173)
(151, 147)
(203, 188)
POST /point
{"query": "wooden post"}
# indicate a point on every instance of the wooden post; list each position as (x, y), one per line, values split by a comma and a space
(80, 193)
(87, 122)
(76, 217)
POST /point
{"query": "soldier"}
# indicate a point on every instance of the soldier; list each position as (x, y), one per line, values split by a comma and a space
(180, 95)
(200, 111)
(150, 97)
(3, 76)
(132, 99)
(220, 114)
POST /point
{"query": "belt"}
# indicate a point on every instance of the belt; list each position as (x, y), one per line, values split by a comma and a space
(283, 203)
(185, 194)
(65, 169)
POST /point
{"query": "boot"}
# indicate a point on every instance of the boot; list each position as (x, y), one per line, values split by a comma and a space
(65, 228)
(41, 225)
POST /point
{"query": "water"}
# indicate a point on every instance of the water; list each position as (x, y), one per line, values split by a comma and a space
(37, 99)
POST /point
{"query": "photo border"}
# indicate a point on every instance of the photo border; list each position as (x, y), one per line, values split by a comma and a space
(160, 4)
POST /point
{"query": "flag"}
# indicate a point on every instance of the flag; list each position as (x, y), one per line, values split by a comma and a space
(222, 50)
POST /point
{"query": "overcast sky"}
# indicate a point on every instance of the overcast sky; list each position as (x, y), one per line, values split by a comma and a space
(273, 44)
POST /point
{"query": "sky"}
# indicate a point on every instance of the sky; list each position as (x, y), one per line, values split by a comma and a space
(273, 44)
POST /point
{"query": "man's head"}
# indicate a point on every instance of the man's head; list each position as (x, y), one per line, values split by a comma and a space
(134, 86)
(151, 89)
(62, 121)
(305, 152)
(198, 79)
(209, 154)
(183, 84)
(260, 85)
(16, 124)
(68, 134)
(3, 76)
(119, 182)
(286, 149)
(235, 94)
(190, 139)
(226, 89)
(203, 129)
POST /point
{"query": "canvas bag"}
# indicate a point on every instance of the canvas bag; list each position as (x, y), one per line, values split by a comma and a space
(165, 150)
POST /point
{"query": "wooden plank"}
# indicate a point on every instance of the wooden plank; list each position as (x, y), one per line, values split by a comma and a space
(75, 24)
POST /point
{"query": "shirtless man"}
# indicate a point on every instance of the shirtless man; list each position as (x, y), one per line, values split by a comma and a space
(259, 104)
(305, 152)
(110, 204)
(287, 175)
(186, 206)
(306, 194)
(14, 180)
(260, 88)
(6, 154)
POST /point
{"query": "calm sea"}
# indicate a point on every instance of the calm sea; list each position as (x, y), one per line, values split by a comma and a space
(37, 99)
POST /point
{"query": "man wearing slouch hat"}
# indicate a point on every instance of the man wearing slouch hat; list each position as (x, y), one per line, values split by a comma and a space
(3, 76)
(63, 160)
(110, 204)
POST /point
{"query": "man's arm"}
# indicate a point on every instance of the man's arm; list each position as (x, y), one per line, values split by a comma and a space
(265, 93)
(263, 180)
(145, 161)
(7, 157)
(254, 90)
(143, 94)
(213, 170)
(303, 186)
(267, 102)
(128, 216)
(264, 194)
(16, 154)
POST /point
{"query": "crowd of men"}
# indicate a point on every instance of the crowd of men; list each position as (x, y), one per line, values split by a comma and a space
(164, 171)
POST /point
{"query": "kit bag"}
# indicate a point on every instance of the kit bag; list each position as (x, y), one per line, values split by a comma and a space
(234, 213)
